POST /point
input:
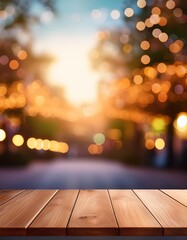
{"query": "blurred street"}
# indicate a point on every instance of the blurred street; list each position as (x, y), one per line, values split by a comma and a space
(89, 173)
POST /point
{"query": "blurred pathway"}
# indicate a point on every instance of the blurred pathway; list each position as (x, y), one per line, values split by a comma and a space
(89, 173)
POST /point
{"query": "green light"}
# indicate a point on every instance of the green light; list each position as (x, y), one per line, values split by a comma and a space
(158, 124)
(99, 138)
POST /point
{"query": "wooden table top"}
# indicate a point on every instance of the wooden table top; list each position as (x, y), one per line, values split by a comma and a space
(93, 212)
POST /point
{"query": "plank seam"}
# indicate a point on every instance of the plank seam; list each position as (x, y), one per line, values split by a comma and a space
(27, 227)
(150, 212)
(13, 197)
(72, 212)
(113, 210)
(172, 198)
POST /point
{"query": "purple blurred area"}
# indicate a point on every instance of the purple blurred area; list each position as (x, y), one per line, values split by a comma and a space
(89, 174)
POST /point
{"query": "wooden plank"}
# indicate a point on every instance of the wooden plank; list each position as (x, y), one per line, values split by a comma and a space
(53, 219)
(133, 217)
(6, 195)
(179, 194)
(19, 212)
(93, 215)
(170, 214)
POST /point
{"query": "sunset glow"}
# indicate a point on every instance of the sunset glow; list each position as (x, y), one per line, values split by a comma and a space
(72, 71)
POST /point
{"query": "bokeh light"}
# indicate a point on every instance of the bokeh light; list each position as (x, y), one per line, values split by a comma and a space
(95, 149)
(141, 3)
(18, 140)
(149, 144)
(22, 54)
(2, 135)
(129, 12)
(115, 14)
(180, 125)
(159, 143)
(99, 138)
(31, 143)
(13, 64)
(159, 124)
(140, 26)
(182, 120)
(145, 45)
(145, 59)
(114, 134)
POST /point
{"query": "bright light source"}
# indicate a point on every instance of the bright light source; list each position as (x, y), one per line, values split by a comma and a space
(18, 140)
(72, 69)
(2, 135)
(180, 125)
(46, 144)
(31, 143)
(64, 147)
(182, 121)
(39, 144)
(159, 143)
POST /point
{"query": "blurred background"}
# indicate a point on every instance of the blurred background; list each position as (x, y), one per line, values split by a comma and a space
(93, 94)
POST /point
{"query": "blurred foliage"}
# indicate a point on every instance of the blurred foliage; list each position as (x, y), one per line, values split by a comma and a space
(23, 13)
(136, 85)
(158, 51)
(41, 127)
(119, 52)
(19, 67)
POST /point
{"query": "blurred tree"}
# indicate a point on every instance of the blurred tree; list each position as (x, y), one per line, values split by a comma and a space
(149, 61)
(18, 65)
(24, 13)
(17, 61)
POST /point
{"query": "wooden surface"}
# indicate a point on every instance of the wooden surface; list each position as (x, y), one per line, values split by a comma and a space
(6, 195)
(171, 214)
(17, 214)
(93, 212)
(93, 215)
(54, 217)
(132, 216)
(180, 196)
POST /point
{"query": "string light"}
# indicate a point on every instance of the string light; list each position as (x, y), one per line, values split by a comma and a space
(46, 144)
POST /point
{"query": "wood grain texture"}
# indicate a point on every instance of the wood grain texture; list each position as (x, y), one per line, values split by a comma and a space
(170, 214)
(19, 212)
(93, 212)
(132, 216)
(6, 195)
(53, 219)
(179, 195)
(93, 215)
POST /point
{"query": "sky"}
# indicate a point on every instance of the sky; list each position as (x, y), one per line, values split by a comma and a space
(69, 36)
